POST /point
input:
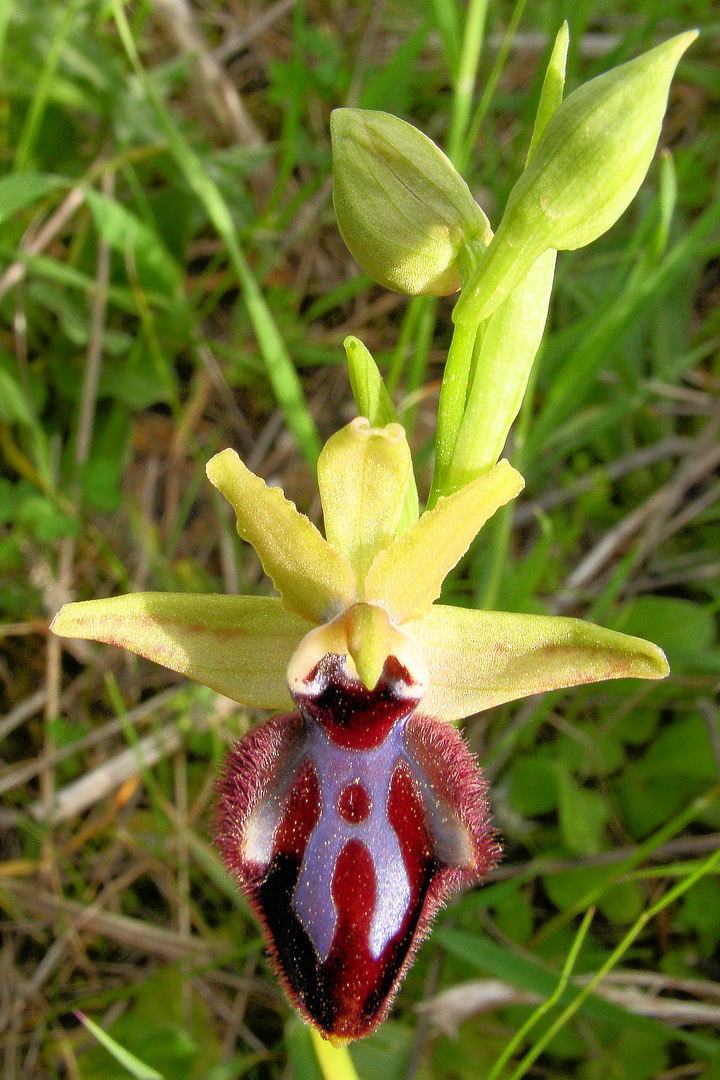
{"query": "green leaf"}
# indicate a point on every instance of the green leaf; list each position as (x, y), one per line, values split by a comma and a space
(100, 478)
(700, 913)
(136, 241)
(47, 521)
(685, 630)
(533, 786)
(621, 902)
(682, 749)
(134, 1066)
(23, 189)
(14, 408)
(514, 915)
(582, 813)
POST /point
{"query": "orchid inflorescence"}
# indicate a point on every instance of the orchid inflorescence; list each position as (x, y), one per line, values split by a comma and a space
(351, 817)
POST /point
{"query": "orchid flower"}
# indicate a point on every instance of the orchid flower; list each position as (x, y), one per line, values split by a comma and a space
(349, 819)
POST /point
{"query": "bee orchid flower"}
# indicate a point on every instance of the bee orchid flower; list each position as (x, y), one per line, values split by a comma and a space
(351, 817)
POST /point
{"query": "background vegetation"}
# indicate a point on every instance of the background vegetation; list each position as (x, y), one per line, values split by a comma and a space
(169, 262)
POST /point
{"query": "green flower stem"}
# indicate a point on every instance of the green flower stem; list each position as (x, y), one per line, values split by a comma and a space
(708, 866)
(472, 431)
(548, 1004)
(334, 1061)
(451, 409)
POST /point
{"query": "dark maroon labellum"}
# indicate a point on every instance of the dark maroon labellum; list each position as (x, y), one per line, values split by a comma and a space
(348, 825)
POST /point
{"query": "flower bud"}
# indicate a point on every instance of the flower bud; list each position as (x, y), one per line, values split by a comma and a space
(586, 168)
(403, 210)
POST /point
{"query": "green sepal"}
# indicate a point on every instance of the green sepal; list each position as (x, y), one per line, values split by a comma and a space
(478, 659)
(239, 646)
(314, 581)
(363, 474)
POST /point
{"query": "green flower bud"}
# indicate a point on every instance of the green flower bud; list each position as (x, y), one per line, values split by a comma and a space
(586, 168)
(403, 210)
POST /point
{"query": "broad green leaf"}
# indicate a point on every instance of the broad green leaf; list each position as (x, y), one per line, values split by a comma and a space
(133, 239)
(239, 646)
(533, 785)
(45, 518)
(681, 749)
(478, 659)
(620, 901)
(19, 190)
(700, 913)
(406, 577)
(314, 581)
(363, 474)
(514, 915)
(582, 814)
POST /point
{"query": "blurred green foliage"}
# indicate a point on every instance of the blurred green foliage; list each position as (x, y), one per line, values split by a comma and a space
(623, 406)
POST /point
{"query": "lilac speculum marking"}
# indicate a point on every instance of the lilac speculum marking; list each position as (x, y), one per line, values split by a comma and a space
(337, 768)
(354, 739)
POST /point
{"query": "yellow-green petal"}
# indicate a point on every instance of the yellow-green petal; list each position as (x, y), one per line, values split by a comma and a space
(239, 646)
(314, 581)
(363, 474)
(406, 577)
(478, 659)
(365, 636)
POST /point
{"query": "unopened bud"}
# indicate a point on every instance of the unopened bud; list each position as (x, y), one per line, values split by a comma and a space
(403, 210)
(587, 166)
